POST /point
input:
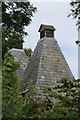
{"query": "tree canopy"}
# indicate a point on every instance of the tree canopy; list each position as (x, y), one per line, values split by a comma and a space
(75, 9)
(15, 16)
(67, 95)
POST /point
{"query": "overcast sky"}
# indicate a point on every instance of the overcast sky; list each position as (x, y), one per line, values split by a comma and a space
(55, 13)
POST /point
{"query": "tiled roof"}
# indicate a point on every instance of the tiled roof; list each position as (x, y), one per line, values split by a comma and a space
(47, 65)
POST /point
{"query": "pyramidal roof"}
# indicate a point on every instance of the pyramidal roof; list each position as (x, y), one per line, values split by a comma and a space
(19, 55)
(47, 65)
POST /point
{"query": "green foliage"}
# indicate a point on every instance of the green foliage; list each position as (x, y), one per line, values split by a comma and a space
(12, 103)
(28, 52)
(67, 95)
(75, 9)
(65, 106)
(15, 16)
(32, 103)
(13, 40)
(77, 42)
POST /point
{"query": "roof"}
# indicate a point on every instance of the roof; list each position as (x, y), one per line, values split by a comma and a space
(46, 27)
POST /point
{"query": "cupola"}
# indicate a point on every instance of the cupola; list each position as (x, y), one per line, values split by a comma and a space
(46, 31)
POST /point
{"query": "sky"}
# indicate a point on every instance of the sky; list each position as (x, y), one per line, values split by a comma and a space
(55, 13)
(50, 0)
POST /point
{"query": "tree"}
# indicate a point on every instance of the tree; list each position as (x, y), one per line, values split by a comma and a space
(75, 11)
(15, 16)
(13, 41)
(67, 96)
(12, 102)
(28, 52)
(75, 8)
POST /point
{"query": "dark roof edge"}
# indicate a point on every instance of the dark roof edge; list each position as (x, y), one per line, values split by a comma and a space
(47, 27)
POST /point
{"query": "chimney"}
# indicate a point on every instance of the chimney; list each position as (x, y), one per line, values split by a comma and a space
(46, 31)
